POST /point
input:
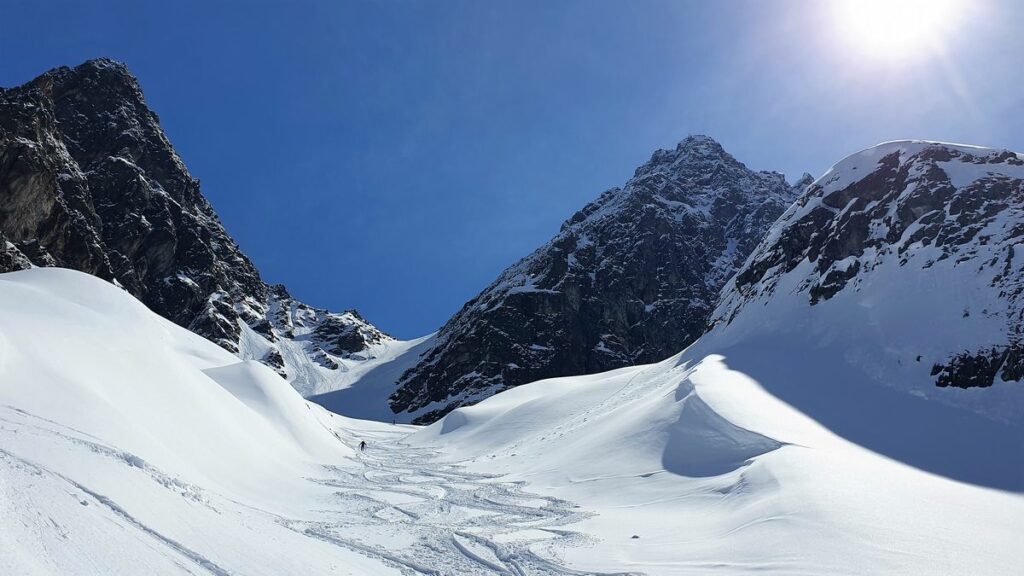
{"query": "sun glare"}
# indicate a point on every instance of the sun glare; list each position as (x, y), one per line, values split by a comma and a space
(896, 29)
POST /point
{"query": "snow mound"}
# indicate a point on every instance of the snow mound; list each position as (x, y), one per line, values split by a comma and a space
(690, 466)
(259, 388)
(680, 430)
(101, 363)
(703, 443)
(130, 445)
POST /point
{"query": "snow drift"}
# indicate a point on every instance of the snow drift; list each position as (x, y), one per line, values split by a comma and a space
(130, 445)
(693, 467)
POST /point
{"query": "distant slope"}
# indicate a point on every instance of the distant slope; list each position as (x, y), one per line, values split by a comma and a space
(317, 351)
(631, 278)
(89, 181)
(362, 391)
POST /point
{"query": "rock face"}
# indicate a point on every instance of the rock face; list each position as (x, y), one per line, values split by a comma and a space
(89, 181)
(631, 278)
(917, 245)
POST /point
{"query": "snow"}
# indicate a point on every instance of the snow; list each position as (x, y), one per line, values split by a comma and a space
(129, 445)
(857, 165)
(717, 475)
(964, 173)
(910, 309)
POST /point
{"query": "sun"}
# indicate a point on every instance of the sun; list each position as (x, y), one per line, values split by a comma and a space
(896, 29)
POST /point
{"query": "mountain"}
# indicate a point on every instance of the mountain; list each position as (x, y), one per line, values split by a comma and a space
(89, 181)
(907, 256)
(631, 278)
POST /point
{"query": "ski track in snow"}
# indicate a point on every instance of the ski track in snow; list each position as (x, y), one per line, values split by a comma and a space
(465, 523)
(447, 520)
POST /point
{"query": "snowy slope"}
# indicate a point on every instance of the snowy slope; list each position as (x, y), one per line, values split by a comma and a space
(692, 467)
(363, 388)
(316, 350)
(129, 445)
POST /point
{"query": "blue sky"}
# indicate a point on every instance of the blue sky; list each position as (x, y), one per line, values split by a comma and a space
(396, 156)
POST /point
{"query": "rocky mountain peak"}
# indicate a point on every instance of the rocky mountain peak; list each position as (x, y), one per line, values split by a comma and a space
(630, 278)
(96, 76)
(692, 151)
(699, 147)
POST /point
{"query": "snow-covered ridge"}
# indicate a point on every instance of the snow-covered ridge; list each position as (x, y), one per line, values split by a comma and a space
(910, 252)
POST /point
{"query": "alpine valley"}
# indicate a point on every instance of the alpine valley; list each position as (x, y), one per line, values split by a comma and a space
(709, 370)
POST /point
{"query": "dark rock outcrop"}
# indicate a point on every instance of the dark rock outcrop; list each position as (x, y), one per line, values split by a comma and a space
(631, 278)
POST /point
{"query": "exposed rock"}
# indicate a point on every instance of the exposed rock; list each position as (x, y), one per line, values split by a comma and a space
(11, 258)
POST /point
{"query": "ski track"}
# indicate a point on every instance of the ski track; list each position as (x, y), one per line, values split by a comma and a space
(452, 517)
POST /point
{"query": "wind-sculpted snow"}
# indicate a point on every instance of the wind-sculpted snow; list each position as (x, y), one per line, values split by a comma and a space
(692, 466)
(129, 445)
(908, 256)
(631, 278)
